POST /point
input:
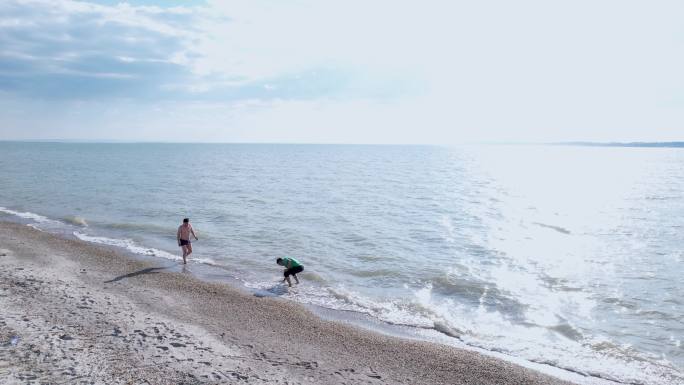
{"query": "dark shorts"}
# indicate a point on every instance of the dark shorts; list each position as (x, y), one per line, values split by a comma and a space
(293, 271)
(184, 242)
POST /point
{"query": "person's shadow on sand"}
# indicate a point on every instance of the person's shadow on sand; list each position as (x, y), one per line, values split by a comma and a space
(149, 270)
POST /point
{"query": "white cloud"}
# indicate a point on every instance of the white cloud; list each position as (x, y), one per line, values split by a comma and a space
(260, 39)
(50, 49)
(358, 71)
(48, 45)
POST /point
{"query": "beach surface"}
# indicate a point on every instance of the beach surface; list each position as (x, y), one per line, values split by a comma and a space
(73, 312)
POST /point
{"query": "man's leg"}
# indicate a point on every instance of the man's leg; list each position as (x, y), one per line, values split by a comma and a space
(189, 250)
(287, 278)
(296, 279)
(185, 253)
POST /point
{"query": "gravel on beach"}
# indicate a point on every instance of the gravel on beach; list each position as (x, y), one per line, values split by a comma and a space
(73, 312)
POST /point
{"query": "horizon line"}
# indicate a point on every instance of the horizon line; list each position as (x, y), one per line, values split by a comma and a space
(494, 143)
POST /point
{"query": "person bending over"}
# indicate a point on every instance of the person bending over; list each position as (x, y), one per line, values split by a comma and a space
(183, 237)
(292, 267)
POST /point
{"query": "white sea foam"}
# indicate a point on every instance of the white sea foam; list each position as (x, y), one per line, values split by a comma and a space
(31, 225)
(479, 328)
(204, 261)
(76, 220)
(133, 247)
(27, 215)
(127, 244)
(393, 311)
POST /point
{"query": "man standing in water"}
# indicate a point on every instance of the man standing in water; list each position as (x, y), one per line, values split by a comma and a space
(183, 237)
(292, 267)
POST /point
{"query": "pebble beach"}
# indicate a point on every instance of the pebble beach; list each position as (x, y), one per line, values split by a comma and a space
(78, 313)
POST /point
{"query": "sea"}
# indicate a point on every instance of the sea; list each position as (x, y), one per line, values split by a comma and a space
(562, 256)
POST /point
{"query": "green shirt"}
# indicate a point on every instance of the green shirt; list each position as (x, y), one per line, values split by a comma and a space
(290, 263)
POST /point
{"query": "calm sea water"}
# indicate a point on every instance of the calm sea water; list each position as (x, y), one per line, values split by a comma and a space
(570, 256)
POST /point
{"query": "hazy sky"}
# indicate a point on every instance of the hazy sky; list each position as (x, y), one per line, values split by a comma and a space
(352, 71)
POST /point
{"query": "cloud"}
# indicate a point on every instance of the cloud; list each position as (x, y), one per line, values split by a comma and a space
(266, 38)
(65, 49)
(354, 71)
(75, 50)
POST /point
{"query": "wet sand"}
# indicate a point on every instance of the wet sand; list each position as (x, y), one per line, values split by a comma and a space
(73, 312)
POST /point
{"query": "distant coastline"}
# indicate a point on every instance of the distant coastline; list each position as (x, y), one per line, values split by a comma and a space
(575, 143)
(622, 144)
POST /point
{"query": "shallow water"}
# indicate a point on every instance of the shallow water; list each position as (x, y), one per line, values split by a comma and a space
(565, 255)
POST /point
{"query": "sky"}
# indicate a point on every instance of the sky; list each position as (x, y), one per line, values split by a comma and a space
(352, 71)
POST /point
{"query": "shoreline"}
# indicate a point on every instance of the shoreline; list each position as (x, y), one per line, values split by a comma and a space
(215, 274)
(76, 310)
